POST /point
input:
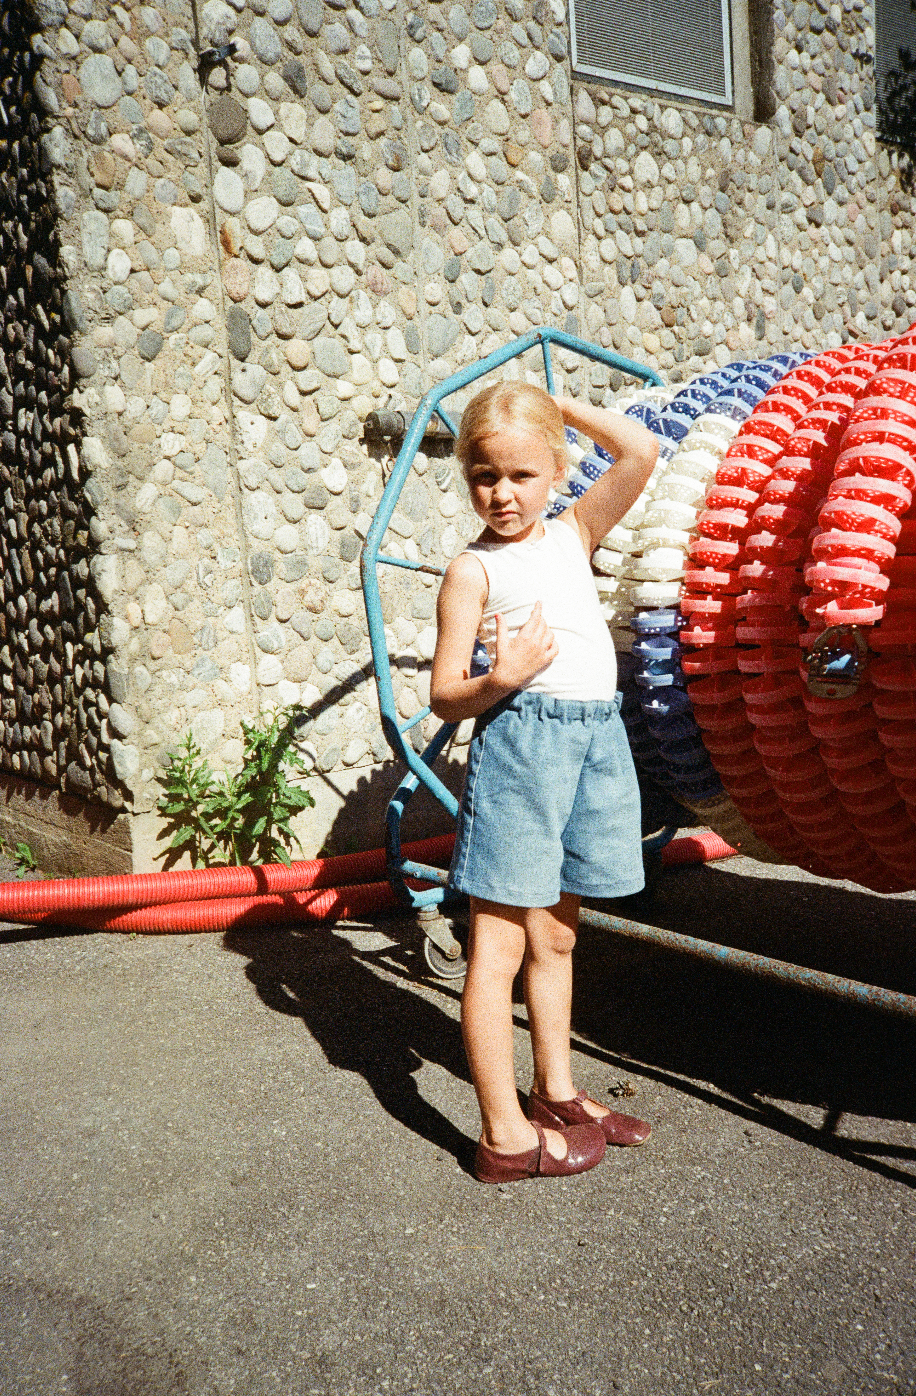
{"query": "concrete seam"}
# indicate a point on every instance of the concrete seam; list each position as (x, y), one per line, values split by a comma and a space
(233, 447)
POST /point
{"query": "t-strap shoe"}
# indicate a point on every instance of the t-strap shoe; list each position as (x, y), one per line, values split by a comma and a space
(585, 1147)
(560, 1114)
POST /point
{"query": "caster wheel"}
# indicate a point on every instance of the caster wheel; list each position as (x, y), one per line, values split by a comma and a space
(440, 964)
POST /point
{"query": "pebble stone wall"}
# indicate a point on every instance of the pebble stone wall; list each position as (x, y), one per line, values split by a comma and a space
(260, 248)
(56, 688)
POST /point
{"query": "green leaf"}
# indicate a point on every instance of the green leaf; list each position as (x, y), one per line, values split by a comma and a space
(237, 816)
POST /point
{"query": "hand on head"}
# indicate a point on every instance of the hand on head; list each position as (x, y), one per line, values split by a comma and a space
(520, 657)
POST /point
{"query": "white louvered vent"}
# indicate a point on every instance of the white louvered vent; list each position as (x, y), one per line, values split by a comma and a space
(678, 46)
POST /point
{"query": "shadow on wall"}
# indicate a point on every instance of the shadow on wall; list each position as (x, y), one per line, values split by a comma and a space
(57, 681)
(897, 110)
(363, 797)
(360, 822)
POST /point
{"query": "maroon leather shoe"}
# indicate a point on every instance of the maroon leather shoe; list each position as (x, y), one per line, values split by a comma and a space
(560, 1114)
(585, 1147)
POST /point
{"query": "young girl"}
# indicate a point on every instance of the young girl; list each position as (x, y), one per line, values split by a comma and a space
(550, 808)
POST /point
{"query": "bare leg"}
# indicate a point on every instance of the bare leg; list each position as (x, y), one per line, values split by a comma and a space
(495, 954)
(547, 979)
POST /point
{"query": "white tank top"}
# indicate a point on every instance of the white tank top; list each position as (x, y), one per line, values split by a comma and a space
(555, 571)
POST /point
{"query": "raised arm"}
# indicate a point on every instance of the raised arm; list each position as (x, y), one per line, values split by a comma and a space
(635, 451)
(454, 694)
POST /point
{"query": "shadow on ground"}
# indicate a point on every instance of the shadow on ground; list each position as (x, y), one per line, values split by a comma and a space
(786, 1058)
(362, 1020)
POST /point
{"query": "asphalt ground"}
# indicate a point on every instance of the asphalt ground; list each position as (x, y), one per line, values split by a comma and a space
(240, 1164)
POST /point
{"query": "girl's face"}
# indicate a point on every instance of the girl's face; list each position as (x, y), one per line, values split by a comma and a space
(510, 477)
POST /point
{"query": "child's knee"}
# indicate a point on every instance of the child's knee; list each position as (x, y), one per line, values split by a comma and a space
(562, 940)
(548, 936)
(496, 943)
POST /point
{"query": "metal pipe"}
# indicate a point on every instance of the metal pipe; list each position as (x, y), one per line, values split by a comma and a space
(393, 426)
(746, 962)
(419, 765)
(743, 961)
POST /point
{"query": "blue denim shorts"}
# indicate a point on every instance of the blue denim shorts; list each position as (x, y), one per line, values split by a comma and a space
(550, 804)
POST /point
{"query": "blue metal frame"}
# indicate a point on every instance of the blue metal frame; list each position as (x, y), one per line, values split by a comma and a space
(419, 764)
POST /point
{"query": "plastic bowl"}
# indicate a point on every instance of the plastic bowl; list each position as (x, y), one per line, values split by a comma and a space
(858, 516)
(835, 543)
(716, 553)
(889, 494)
(884, 460)
(744, 473)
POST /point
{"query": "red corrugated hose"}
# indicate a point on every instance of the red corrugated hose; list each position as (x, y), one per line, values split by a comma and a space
(46, 901)
(217, 899)
(228, 913)
(703, 847)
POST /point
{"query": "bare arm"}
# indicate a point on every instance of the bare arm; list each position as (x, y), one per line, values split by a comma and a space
(635, 451)
(454, 694)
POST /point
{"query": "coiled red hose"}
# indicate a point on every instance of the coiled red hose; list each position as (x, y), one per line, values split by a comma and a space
(703, 847)
(275, 901)
(233, 913)
(39, 901)
(828, 781)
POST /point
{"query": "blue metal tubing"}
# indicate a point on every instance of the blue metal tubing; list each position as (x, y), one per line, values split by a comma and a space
(398, 868)
(742, 961)
(654, 843)
(746, 962)
(417, 763)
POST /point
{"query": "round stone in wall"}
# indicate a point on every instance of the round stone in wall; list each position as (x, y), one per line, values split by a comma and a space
(261, 214)
(118, 266)
(247, 381)
(317, 535)
(99, 80)
(228, 120)
(265, 41)
(295, 76)
(236, 279)
(247, 79)
(311, 16)
(261, 114)
(149, 344)
(158, 88)
(298, 354)
(285, 187)
(83, 360)
(95, 36)
(238, 331)
(228, 190)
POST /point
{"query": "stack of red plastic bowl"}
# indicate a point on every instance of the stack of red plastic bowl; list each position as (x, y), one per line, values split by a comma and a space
(787, 735)
(877, 464)
(727, 581)
(809, 525)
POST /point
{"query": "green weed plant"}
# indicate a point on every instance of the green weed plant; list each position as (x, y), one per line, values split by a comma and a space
(241, 819)
(21, 855)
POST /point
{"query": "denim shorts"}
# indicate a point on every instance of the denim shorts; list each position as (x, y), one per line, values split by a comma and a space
(550, 804)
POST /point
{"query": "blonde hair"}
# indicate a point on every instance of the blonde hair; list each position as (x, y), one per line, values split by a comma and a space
(507, 407)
